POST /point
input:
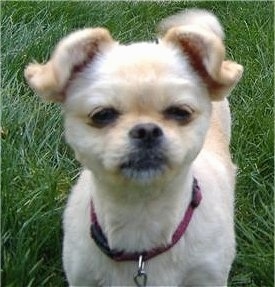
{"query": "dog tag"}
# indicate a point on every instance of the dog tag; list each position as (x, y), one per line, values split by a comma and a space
(140, 278)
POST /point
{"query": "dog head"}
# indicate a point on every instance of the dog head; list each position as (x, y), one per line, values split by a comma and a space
(138, 112)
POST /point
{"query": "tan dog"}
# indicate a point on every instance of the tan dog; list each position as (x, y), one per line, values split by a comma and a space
(142, 121)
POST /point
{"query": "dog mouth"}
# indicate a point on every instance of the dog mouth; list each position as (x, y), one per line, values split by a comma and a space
(143, 166)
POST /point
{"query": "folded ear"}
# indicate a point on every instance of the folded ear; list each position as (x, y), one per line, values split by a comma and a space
(71, 55)
(198, 34)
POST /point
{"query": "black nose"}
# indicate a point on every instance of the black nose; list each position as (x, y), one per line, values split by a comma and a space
(149, 134)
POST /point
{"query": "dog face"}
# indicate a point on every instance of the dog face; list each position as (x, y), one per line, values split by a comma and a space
(140, 112)
(137, 113)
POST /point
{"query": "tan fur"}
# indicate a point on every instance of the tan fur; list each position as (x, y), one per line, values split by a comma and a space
(139, 207)
(201, 37)
(218, 135)
(71, 54)
(206, 52)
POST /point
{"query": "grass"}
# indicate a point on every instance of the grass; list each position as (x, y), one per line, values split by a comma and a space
(38, 168)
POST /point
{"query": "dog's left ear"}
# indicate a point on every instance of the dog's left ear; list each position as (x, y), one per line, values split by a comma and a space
(199, 36)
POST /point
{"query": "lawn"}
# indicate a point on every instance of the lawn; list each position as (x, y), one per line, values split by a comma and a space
(38, 168)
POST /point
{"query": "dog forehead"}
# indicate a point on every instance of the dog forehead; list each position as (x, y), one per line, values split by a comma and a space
(146, 60)
(145, 74)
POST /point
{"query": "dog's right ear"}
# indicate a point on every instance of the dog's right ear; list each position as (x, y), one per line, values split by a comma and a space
(199, 36)
(71, 55)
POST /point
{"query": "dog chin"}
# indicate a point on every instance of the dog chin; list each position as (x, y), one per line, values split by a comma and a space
(143, 176)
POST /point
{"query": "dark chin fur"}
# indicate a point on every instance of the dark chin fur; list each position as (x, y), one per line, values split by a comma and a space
(142, 176)
(144, 166)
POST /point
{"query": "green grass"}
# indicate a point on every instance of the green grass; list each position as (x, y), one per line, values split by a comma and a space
(38, 168)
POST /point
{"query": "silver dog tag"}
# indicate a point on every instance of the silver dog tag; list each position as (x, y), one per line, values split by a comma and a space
(140, 278)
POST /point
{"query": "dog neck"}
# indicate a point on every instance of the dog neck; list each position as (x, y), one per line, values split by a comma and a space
(138, 219)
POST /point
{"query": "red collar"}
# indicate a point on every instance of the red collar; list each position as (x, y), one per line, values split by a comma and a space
(102, 242)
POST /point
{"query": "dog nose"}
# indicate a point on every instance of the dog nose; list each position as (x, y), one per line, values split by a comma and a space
(146, 133)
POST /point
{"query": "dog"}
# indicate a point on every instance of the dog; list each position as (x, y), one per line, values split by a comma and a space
(150, 124)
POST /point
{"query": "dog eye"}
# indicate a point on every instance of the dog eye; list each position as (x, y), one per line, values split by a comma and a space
(103, 117)
(180, 114)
